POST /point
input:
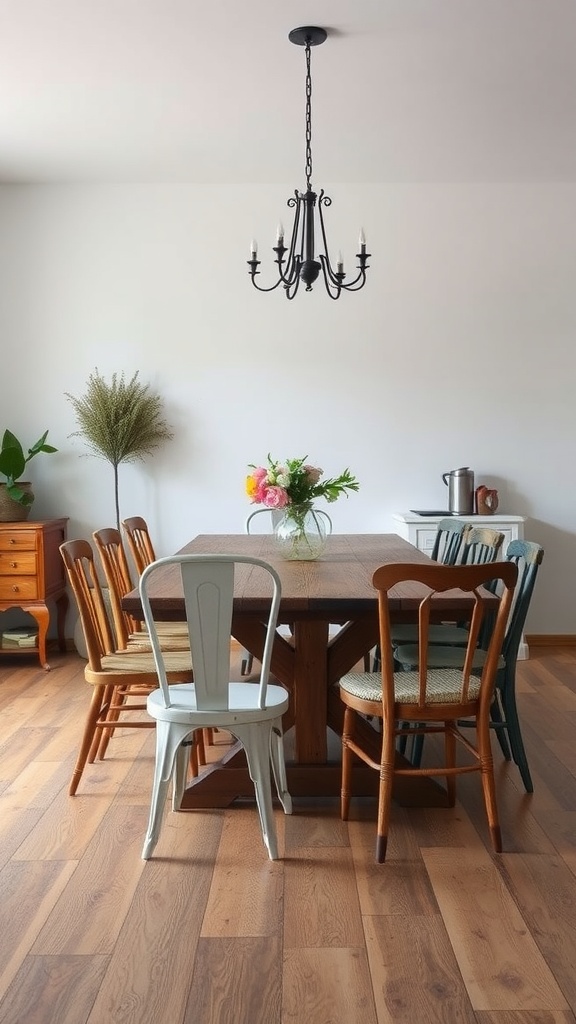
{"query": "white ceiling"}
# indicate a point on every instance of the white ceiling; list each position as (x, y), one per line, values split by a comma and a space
(182, 91)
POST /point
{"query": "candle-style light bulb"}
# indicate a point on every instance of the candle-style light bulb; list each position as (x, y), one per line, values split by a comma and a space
(362, 241)
(253, 249)
(340, 264)
(280, 234)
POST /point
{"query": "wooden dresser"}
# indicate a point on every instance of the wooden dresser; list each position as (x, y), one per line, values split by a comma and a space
(32, 573)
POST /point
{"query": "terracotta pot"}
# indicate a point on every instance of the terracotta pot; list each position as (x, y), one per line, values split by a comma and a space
(12, 511)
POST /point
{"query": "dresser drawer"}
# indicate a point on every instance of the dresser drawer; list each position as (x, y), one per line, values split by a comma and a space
(17, 540)
(18, 588)
(18, 563)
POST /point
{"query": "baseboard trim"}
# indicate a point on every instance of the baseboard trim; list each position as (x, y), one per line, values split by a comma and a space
(551, 639)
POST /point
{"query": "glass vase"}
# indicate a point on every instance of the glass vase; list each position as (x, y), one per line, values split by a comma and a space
(301, 533)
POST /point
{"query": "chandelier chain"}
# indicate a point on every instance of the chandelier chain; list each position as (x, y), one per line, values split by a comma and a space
(308, 120)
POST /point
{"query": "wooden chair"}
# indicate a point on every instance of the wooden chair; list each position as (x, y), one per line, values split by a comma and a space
(120, 680)
(429, 700)
(527, 557)
(450, 536)
(252, 713)
(132, 634)
(139, 542)
(129, 631)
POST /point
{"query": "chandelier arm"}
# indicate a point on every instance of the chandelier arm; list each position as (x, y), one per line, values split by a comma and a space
(292, 288)
(261, 289)
(333, 286)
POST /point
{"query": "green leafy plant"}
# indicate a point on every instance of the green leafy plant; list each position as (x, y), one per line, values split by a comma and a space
(13, 462)
(120, 421)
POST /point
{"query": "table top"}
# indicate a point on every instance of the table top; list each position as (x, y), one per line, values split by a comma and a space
(337, 584)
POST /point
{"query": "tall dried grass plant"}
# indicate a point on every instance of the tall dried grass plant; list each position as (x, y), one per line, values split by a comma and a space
(119, 421)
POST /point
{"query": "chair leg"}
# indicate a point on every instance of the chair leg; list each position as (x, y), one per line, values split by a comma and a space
(279, 766)
(385, 791)
(168, 739)
(450, 755)
(515, 737)
(107, 700)
(347, 733)
(488, 783)
(117, 699)
(179, 774)
(90, 732)
(500, 726)
(256, 742)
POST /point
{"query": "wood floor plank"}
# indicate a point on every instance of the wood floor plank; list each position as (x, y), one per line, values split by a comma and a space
(414, 971)
(321, 906)
(327, 985)
(315, 822)
(27, 894)
(66, 831)
(560, 827)
(500, 962)
(149, 979)
(41, 991)
(253, 908)
(236, 980)
(527, 1017)
(543, 888)
(89, 915)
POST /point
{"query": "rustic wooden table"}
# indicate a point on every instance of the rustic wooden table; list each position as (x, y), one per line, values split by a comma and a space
(336, 588)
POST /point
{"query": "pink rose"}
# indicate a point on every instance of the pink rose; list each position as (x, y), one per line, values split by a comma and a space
(275, 497)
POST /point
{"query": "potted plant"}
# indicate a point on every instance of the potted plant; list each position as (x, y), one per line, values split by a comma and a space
(16, 496)
(120, 421)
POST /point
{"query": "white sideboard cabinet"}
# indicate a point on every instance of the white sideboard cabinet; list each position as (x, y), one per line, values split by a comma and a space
(421, 531)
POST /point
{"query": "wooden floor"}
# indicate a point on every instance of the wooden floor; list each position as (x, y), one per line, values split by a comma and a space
(211, 932)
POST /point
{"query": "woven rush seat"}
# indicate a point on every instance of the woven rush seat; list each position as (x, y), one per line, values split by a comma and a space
(444, 686)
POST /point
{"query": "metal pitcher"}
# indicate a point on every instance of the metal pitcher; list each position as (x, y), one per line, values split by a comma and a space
(460, 483)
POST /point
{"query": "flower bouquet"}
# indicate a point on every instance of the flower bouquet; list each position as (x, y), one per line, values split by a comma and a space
(292, 487)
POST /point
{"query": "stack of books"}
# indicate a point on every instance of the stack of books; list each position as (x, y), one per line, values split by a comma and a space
(22, 637)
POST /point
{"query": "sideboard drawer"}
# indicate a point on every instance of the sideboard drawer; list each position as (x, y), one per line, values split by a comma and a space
(18, 563)
(18, 588)
(17, 540)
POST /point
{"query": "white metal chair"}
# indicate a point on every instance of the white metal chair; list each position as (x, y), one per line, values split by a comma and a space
(251, 712)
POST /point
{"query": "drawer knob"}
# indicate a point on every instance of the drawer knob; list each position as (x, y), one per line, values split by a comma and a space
(12, 541)
(15, 589)
(13, 564)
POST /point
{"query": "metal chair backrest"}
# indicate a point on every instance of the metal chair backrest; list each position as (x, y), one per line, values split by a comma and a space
(208, 586)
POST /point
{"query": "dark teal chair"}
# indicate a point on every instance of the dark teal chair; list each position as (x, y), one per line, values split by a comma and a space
(504, 713)
(470, 545)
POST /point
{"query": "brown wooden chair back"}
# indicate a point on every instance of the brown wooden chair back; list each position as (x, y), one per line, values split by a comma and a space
(78, 558)
(139, 542)
(115, 566)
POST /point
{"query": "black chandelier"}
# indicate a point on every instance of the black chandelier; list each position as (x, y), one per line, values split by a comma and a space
(301, 263)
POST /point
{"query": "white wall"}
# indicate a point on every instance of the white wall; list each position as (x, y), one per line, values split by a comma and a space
(459, 351)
